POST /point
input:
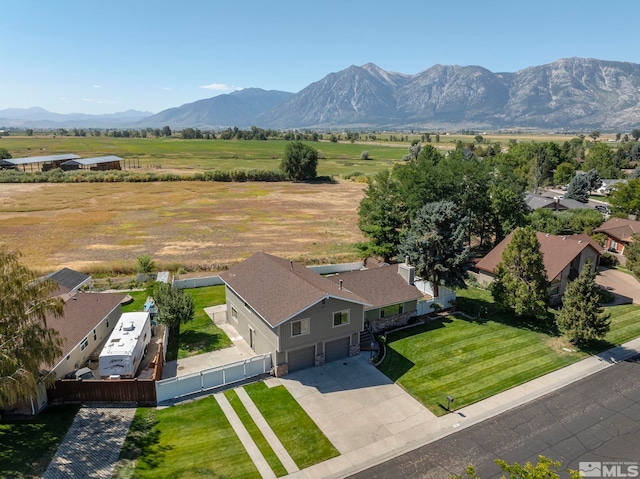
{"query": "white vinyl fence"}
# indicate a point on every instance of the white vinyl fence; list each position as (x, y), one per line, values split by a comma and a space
(173, 388)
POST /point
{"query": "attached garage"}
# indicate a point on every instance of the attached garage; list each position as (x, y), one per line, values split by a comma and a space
(337, 349)
(301, 358)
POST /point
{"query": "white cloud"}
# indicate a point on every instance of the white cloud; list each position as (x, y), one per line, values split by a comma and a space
(97, 86)
(221, 87)
(98, 101)
(167, 88)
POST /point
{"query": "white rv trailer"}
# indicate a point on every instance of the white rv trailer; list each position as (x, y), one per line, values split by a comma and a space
(125, 347)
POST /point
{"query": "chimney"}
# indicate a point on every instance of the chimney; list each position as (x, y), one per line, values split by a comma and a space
(340, 284)
(407, 272)
(291, 263)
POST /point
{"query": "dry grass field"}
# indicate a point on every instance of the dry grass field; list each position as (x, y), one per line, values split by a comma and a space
(202, 226)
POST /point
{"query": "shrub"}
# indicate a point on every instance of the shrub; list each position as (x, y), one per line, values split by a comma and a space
(608, 260)
(364, 155)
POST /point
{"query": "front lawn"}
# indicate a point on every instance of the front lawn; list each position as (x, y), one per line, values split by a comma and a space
(27, 447)
(473, 359)
(188, 441)
(300, 436)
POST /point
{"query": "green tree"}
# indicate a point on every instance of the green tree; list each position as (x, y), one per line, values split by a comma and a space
(632, 255)
(166, 131)
(520, 283)
(146, 265)
(380, 216)
(600, 158)
(635, 134)
(175, 307)
(578, 189)
(27, 344)
(595, 134)
(545, 469)
(4, 154)
(546, 221)
(581, 317)
(593, 178)
(625, 197)
(435, 245)
(563, 174)
(508, 209)
(300, 161)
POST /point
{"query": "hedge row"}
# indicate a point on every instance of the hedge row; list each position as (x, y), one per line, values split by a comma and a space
(115, 176)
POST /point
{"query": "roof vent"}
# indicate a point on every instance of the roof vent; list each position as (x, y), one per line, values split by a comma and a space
(579, 241)
(291, 263)
(129, 327)
(547, 235)
(340, 284)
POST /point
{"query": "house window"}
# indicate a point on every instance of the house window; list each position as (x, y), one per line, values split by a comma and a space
(340, 318)
(401, 308)
(234, 314)
(298, 328)
(84, 344)
(107, 323)
(554, 291)
(95, 336)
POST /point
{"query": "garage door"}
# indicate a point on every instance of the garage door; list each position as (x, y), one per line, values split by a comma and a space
(302, 358)
(338, 349)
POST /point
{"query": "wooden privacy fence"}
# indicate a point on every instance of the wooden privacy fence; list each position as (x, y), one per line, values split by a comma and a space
(139, 391)
(207, 379)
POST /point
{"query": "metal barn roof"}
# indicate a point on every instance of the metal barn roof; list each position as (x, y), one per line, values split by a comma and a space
(41, 159)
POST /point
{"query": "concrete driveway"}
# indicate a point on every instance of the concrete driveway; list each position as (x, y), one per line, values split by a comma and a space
(353, 403)
(623, 285)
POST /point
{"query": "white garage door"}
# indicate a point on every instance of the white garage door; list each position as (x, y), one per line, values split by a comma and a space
(302, 358)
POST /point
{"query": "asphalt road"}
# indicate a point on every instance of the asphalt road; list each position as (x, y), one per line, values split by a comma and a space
(594, 419)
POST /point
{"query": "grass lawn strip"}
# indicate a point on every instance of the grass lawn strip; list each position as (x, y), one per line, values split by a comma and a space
(255, 433)
(191, 441)
(297, 432)
(27, 446)
(471, 360)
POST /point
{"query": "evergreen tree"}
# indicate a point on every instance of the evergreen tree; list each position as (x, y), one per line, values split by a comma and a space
(521, 283)
(435, 245)
(380, 216)
(26, 343)
(578, 189)
(581, 316)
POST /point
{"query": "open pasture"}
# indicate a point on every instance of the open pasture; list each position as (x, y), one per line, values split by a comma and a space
(94, 227)
(188, 156)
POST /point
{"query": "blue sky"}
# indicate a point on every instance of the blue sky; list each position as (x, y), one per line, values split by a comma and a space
(109, 56)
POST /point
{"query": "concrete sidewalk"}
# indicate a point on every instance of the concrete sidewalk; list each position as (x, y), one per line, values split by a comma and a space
(438, 427)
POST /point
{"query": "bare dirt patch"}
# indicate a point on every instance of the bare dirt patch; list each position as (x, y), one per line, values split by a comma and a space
(196, 224)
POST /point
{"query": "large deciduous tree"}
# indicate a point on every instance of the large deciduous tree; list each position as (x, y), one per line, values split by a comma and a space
(300, 161)
(27, 344)
(625, 197)
(581, 316)
(521, 283)
(600, 158)
(380, 216)
(435, 245)
(175, 307)
(632, 254)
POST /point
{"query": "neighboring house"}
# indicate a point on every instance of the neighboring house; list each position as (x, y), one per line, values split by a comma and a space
(563, 257)
(304, 319)
(556, 203)
(619, 233)
(86, 322)
(607, 185)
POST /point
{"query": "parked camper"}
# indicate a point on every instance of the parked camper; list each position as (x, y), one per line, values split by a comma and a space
(125, 347)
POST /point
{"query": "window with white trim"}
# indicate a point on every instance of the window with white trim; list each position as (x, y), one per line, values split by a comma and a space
(300, 327)
(340, 318)
(84, 344)
(234, 313)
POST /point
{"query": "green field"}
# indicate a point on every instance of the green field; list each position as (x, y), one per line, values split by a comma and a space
(474, 359)
(201, 155)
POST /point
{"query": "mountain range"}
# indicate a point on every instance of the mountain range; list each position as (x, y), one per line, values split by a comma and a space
(569, 94)
(37, 117)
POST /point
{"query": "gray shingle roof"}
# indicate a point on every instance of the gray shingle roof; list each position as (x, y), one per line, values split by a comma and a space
(68, 278)
(278, 289)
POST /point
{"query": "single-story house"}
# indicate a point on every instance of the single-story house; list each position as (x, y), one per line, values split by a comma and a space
(619, 232)
(304, 319)
(556, 203)
(86, 322)
(563, 257)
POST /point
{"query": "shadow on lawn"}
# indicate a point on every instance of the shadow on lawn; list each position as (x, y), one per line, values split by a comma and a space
(143, 440)
(484, 311)
(193, 340)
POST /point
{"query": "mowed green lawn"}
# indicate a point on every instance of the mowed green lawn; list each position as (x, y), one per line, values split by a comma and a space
(200, 335)
(189, 441)
(472, 360)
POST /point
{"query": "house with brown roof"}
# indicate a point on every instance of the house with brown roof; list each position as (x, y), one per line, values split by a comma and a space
(619, 232)
(563, 257)
(304, 319)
